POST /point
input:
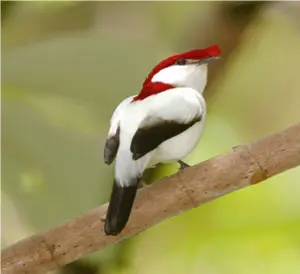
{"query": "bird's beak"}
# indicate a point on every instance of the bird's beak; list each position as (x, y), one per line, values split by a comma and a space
(208, 59)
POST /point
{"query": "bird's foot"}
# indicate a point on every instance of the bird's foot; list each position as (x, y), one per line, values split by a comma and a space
(182, 164)
(142, 184)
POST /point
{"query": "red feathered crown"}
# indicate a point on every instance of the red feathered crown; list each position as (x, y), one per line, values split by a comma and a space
(196, 54)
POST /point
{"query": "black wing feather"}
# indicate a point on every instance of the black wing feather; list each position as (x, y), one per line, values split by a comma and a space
(111, 147)
(149, 137)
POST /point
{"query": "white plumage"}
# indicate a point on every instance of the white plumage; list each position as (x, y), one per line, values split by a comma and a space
(163, 123)
(181, 104)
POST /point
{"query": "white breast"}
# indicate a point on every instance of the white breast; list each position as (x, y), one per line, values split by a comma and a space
(189, 103)
(180, 146)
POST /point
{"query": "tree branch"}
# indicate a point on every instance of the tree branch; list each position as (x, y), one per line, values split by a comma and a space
(241, 167)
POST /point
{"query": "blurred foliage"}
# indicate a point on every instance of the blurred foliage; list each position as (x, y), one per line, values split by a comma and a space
(66, 65)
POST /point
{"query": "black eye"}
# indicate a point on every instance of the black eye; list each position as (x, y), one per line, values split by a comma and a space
(181, 62)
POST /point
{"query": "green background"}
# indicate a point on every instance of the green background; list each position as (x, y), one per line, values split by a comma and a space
(65, 67)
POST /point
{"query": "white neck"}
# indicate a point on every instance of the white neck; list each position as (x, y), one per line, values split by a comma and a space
(193, 76)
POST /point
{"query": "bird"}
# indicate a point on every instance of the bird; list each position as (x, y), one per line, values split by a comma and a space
(163, 123)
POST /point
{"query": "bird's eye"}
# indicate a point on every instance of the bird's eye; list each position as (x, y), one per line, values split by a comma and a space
(181, 62)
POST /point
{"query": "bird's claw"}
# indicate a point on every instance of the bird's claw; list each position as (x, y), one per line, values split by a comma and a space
(182, 164)
(142, 184)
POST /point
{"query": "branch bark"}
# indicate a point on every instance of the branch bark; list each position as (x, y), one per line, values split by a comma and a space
(243, 166)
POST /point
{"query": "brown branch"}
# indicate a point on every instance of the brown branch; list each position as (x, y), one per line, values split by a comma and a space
(241, 167)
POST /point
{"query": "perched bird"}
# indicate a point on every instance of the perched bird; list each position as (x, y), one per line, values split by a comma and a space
(163, 123)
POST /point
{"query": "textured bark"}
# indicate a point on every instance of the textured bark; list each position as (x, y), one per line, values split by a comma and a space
(243, 166)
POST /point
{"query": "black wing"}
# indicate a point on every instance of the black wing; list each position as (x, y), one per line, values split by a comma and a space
(150, 136)
(111, 147)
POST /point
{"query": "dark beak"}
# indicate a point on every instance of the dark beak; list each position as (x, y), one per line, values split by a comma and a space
(208, 60)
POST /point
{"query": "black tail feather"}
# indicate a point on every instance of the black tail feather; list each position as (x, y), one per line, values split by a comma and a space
(119, 208)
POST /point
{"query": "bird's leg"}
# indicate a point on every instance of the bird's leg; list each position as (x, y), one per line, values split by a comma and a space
(142, 184)
(182, 164)
(103, 218)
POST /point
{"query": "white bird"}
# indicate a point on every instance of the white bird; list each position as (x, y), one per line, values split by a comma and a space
(163, 123)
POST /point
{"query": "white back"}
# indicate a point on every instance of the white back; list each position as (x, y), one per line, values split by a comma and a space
(115, 119)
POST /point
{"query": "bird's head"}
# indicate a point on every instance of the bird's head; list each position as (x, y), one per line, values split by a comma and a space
(188, 69)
